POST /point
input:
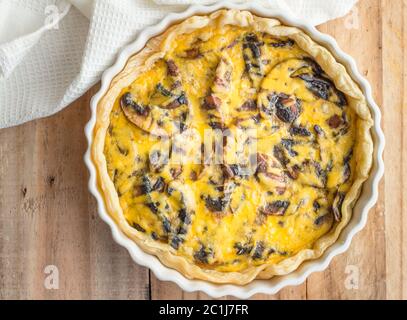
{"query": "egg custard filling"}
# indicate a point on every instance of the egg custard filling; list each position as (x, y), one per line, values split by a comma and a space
(231, 148)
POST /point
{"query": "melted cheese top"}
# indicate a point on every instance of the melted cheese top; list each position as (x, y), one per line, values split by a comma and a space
(234, 149)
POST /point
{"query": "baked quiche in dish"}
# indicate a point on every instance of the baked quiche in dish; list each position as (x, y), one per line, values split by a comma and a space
(232, 147)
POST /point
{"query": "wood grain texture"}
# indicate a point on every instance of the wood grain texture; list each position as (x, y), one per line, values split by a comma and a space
(394, 80)
(47, 216)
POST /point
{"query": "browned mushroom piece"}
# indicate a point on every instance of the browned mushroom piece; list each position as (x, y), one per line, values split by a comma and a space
(131, 106)
(270, 174)
(280, 106)
(335, 121)
(212, 102)
(262, 164)
(172, 68)
(325, 219)
(249, 105)
(192, 53)
(217, 102)
(273, 180)
(279, 101)
(275, 208)
(300, 131)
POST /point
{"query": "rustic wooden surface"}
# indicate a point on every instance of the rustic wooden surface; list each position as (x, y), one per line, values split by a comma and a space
(47, 216)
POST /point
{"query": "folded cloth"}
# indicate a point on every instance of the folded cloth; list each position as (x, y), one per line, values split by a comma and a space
(52, 51)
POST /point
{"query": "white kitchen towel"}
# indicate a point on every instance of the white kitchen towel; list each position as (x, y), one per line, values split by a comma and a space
(52, 51)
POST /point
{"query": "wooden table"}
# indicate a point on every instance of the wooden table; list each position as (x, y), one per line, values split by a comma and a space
(48, 217)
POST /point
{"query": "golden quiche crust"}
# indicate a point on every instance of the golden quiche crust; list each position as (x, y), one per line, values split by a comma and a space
(155, 49)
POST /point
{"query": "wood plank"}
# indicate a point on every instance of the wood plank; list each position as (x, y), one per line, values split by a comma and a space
(403, 208)
(42, 208)
(166, 290)
(395, 122)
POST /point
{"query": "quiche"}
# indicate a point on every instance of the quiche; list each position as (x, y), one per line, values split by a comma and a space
(232, 147)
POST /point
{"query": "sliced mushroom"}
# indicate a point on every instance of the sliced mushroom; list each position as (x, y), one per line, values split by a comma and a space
(203, 255)
(335, 121)
(270, 173)
(243, 248)
(288, 145)
(175, 158)
(252, 58)
(300, 131)
(232, 170)
(275, 208)
(149, 183)
(273, 181)
(324, 219)
(138, 227)
(192, 53)
(285, 108)
(220, 203)
(319, 131)
(166, 112)
(182, 206)
(249, 105)
(280, 155)
(337, 206)
(158, 157)
(347, 170)
(313, 174)
(303, 78)
(318, 83)
(212, 102)
(258, 251)
(223, 75)
(262, 163)
(172, 68)
(278, 80)
(217, 102)
(223, 193)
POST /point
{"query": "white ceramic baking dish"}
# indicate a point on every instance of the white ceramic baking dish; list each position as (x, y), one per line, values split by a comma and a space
(366, 201)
